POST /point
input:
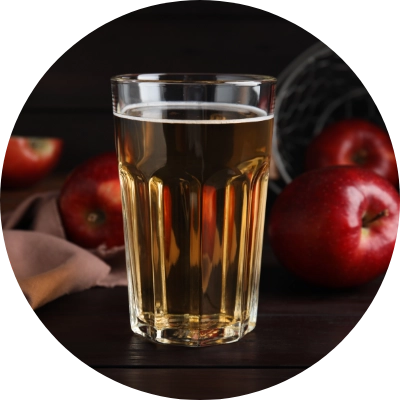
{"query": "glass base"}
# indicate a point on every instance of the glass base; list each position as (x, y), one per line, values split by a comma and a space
(192, 337)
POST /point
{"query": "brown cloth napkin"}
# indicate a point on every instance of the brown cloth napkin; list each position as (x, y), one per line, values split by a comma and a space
(45, 263)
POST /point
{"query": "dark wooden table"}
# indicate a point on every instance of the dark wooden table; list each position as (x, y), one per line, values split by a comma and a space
(297, 326)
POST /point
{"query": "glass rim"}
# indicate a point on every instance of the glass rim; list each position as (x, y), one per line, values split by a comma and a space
(195, 78)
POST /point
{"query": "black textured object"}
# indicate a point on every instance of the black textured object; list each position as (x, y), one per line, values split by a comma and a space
(315, 90)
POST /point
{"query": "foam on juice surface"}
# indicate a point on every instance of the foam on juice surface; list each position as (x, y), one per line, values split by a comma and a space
(193, 113)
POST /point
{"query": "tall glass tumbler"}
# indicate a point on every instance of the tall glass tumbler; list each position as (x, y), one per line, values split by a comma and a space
(194, 153)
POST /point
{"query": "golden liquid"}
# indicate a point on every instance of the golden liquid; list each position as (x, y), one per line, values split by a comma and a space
(194, 180)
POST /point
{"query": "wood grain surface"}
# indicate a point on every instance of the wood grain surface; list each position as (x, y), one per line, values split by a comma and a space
(297, 326)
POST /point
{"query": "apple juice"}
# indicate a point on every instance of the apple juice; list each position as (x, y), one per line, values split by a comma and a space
(194, 181)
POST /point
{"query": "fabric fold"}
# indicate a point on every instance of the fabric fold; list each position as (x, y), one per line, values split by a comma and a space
(45, 263)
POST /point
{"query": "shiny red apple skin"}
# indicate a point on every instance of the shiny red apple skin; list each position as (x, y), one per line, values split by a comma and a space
(90, 203)
(316, 226)
(28, 160)
(354, 142)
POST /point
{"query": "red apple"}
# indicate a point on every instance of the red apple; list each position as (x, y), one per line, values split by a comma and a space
(209, 221)
(335, 226)
(29, 159)
(354, 142)
(90, 203)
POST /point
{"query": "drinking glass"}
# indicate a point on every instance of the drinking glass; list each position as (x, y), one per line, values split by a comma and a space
(194, 153)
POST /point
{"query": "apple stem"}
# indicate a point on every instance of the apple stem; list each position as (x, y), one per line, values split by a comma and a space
(92, 217)
(360, 157)
(96, 217)
(383, 213)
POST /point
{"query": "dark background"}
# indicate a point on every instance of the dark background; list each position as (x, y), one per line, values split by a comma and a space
(73, 99)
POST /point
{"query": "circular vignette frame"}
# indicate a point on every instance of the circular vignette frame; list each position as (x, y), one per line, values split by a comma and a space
(308, 27)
